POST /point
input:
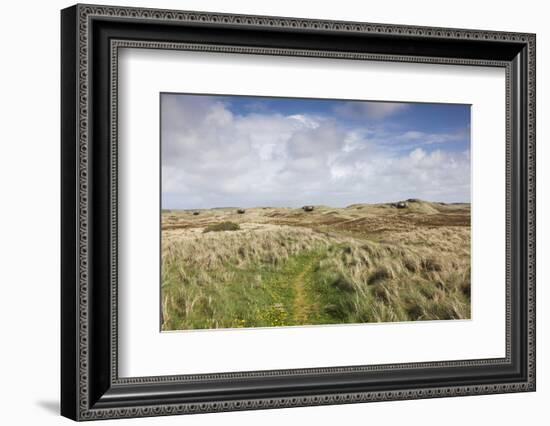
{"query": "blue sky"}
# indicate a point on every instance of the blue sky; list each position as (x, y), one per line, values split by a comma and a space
(254, 151)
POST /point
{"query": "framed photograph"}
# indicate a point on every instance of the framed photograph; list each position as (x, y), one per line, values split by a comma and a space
(263, 212)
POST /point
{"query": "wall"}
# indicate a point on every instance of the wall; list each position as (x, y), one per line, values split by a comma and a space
(29, 225)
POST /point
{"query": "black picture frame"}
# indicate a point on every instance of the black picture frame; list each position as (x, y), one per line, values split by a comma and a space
(90, 386)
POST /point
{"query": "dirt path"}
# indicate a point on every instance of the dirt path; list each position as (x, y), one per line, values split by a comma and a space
(302, 308)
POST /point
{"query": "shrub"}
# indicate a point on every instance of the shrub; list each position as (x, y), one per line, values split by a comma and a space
(379, 274)
(342, 283)
(223, 226)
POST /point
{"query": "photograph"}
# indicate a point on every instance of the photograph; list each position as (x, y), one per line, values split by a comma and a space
(299, 212)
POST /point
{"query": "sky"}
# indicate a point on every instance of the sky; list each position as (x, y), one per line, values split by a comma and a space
(246, 151)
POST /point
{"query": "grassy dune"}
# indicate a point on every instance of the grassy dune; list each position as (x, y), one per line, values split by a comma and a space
(283, 266)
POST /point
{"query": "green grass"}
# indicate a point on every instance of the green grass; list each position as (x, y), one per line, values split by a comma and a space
(261, 295)
(311, 288)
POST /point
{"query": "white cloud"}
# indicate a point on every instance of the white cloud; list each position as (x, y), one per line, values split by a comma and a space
(213, 158)
(433, 138)
(305, 120)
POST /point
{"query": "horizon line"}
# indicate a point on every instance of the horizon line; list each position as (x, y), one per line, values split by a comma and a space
(417, 200)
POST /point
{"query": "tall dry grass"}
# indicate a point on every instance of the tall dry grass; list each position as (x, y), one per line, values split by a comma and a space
(424, 275)
(231, 279)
